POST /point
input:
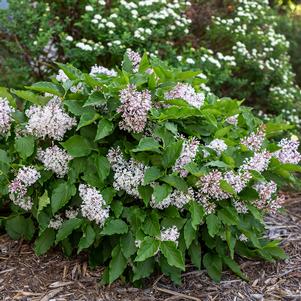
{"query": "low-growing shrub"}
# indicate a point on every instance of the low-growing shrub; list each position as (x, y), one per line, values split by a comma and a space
(139, 169)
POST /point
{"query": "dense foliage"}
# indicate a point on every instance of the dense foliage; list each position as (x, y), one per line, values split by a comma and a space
(141, 170)
(245, 57)
(237, 44)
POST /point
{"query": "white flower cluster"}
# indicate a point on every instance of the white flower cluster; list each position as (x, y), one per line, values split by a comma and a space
(267, 196)
(25, 178)
(188, 153)
(55, 159)
(255, 140)
(94, 206)
(209, 207)
(209, 186)
(71, 213)
(237, 181)
(177, 198)
(186, 92)
(289, 151)
(135, 58)
(5, 115)
(56, 222)
(134, 109)
(257, 45)
(233, 120)
(259, 162)
(219, 61)
(95, 70)
(50, 120)
(218, 145)
(170, 234)
(128, 175)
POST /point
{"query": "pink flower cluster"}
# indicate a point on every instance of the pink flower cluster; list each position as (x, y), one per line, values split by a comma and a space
(187, 93)
(289, 151)
(255, 140)
(134, 109)
(5, 115)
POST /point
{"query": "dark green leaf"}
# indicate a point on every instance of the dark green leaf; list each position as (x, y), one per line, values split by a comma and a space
(25, 146)
(115, 226)
(189, 233)
(176, 182)
(87, 239)
(87, 118)
(197, 214)
(77, 146)
(46, 87)
(45, 241)
(234, 267)
(213, 224)
(161, 192)
(143, 269)
(151, 226)
(147, 144)
(171, 154)
(104, 129)
(172, 254)
(127, 244)
(67, 228)
(61, 195)
(152, 174)
(213, 265)
(148, 248)
(117, 264)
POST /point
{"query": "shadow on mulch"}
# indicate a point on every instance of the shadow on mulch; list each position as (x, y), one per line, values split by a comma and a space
(26, 277)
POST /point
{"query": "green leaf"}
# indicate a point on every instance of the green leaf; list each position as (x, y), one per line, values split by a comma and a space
(143, 269)
(151, 174)
(195, 253)
(87, 239)
(19, 227)
(104, 129)
(67, 228)
(47, 87)
(144, 63)
(4, 93)
(172, 254)
(171, 154)
(61, 195)
(225, 186)
(31, 97)
(161, 192)
(96, 99)
(228, 216)
(148, 248)
(197, 214)
(77, 146)
(115, 226)
(147, 144)
(103, 167)
(45, 241)
(176, 182)
(145, 192)
(231, 241)
(213, 265)
(25, 146)
(87, 118)
(44, 201)
(151, 226)
(71, 72)
(189, 233)
(234, 267)
(213, 224)
(117, 264)
(127, 244)
(219, 164)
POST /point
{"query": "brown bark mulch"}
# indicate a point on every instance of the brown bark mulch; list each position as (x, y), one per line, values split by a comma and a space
(26, 277)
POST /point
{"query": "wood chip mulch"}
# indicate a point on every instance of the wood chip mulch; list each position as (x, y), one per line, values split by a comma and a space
(26, 277)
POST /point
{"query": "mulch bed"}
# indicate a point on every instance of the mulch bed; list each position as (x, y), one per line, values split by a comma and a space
(26, 277)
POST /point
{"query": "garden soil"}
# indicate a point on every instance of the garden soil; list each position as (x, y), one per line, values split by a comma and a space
(26, 277)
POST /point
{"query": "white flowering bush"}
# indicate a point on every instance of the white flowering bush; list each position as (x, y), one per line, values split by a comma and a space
(248, 58)
(35, 34)
(136, 167)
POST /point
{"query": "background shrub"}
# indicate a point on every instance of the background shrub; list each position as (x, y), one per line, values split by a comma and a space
(141, 170)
